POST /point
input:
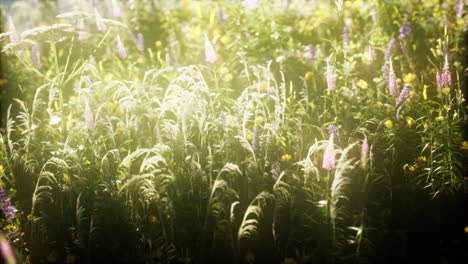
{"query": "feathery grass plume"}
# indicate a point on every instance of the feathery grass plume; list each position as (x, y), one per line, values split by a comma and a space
(120, 48)
(116, 9)
(35, 56)
(81, 34)
(88, 115)
(329, 155)
(392, 82)
(404, 30)
(331, 85)
(210, 53)
(99, 21)
(389, 50)
(12, 29)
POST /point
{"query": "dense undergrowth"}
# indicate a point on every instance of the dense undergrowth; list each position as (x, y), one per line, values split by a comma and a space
(235, 132)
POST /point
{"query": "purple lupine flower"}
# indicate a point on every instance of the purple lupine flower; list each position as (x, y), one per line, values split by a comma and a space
(82, 33)
(392, 82)
(99, 22)
(35, 56)
(311, 54)
(329, 155)
(116, 9)
(389, 51)
(405, 30)
(403, 96)
(88, 115)
(460, 6)
(9, 211)
(345, 36)
(140, 41)
(331, 85)
(210, 53)
(12, 29)
(120, 48)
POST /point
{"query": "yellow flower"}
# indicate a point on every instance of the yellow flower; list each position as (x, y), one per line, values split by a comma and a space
(152, 219)
(464, 145)
(29, 217)
(460, 21)
(249, 136)
(362, 84)
(388, 124)
(286, 157)
(228, 77)
(141, 60)
(409, 77)
(445, 90)
(422, 159)
(1, 168)
(409, 122)
(157, 43)
(263, 87)
(308, 76)
(225, 39)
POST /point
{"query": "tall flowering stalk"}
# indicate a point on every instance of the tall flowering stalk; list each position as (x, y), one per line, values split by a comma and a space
(389, 50)
(444, 79)
(210, 53)
(364, 153)
(331, 85)
(12, 29)
(460, 5)
(311, 54)
(400, 101)
(345, 36)
(81, 33)
(120, 48)
(99, 22)
(392, 82)
(329, 155)
(116, 9)
(405, 30)
(35, 56)
(140, 41)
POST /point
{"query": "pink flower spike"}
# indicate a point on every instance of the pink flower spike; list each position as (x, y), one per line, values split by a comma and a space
(210, 53)
(99, 22)
(331, 85)
(121, 49)
(116, 9)
(82, 33)
(329, 155)
(12, 29)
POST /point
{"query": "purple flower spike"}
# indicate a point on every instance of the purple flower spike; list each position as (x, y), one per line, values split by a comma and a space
(9, 211)
(120, 48)
(405, 30)
(116, 9)
(403, 96)
(12, 29)
(331, 85)
(35, 56)
(210, 53)
(329, 155)
(311, 54)
(140, 41)
(345, 36)
(392, 83)
(460, 6)
(389, 51)
(99, 22)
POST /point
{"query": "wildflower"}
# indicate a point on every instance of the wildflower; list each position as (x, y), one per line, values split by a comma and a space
(140, 41)
(445, 90)
(362, 84)
(82, 33)
(308, 76)
(35, 56)
(249, 136)
(9, 211)
(409, 168)
(464, 146)
(331, 86)
(460, 6)
(368, 55)
(409, 122)
(120, 48)
(392, 82)
(12, 29)
(263, 87)
(225, 39)
(210, 53)
(329, 155)
(364, 153)
(311, 54)
(410, 77)
(286, 157)
(388, 52)
(403, 96)
(99, 22)
(345, 36)
(157, 43)
(405, 30)
(444, 79)
(1, 168)
(388, 124)
(89, 119)
(255, 141)
(116, 9)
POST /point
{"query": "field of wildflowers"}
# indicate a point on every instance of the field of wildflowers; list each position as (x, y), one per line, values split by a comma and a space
(255, 131)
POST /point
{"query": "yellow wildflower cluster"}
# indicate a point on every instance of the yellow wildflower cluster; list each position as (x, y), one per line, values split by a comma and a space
(286, 157)
(410, 77)
(417, 165)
